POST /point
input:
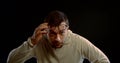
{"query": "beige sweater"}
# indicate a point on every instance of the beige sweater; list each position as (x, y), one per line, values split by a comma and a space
(74, 50)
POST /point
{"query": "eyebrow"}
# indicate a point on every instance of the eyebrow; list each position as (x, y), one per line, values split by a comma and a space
(51, 31)
(61, 31)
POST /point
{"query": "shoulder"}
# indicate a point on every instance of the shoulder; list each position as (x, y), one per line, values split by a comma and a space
(75, 35)
(77, 38)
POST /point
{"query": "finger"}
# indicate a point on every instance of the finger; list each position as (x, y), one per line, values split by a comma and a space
(44, 32)
(41, 28)
(39, 32)
(39, 36)
(44, 25)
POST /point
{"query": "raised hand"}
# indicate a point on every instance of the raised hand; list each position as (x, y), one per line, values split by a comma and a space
(38, 33)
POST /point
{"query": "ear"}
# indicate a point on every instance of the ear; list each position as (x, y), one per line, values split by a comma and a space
(48, 26)
(67, 27)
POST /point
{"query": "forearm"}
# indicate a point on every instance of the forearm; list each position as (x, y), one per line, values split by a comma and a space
(94, 54)
(91, 52)
(97, 56)
(20, 54)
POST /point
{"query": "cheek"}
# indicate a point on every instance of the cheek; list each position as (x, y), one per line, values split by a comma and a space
(62, 37)
(51, 37)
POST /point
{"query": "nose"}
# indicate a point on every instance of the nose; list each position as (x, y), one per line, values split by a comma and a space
(58, 38)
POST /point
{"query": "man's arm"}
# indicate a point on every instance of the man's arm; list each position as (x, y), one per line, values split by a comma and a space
(21, 54)
(25, 51)
(91, 52)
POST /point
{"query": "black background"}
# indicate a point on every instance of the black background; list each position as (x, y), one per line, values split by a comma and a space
(95, 20)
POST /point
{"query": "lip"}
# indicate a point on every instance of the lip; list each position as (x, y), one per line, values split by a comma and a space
(58, 44)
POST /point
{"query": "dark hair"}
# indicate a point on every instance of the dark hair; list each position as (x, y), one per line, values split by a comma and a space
(55, 17)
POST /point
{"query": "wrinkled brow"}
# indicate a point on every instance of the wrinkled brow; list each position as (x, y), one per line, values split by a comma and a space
(53, 32)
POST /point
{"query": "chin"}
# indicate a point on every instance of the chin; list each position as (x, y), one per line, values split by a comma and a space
(59, 46)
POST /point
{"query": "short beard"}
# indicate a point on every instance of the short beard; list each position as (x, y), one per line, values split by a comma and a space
(57, 44)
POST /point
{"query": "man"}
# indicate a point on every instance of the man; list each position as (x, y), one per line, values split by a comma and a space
(53, 42)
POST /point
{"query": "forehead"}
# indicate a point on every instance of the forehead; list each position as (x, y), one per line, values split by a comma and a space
(56, 29)
(62, 23)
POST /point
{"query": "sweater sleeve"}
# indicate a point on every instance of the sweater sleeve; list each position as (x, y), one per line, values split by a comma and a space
(21, 53)
(91, 52)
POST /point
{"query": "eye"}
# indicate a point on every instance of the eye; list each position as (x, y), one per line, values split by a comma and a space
(52, 34)
(62, 32)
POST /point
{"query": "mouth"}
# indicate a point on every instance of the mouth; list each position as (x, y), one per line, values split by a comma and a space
(57, 44)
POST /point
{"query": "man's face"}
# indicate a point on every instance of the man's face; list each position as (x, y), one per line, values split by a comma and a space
(57, 35)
